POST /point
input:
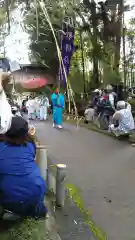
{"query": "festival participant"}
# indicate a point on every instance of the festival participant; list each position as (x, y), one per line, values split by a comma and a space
(21, 186)
(31, 108)
(37, 108)
(44, 105)
(58, 106)
(124, 119)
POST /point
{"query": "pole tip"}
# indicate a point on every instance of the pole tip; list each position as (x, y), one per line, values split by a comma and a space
(40, 147)
(61, 165)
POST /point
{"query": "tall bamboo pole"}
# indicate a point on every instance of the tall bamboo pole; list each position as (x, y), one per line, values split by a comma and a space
(83, 65)
(123, 38)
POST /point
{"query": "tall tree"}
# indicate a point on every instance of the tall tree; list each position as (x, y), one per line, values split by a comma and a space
(105, 34)
(130, 56)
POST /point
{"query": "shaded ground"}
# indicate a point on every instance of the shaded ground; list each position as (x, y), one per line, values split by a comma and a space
(103, 168)
(30, 229)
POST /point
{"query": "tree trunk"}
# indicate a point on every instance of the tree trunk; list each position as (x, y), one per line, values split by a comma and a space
(95, 78)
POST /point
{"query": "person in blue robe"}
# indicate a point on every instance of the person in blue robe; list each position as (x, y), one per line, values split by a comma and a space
(58, 103)
(22, 189)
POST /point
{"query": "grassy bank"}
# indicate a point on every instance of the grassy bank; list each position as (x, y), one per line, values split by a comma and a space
(28, 229)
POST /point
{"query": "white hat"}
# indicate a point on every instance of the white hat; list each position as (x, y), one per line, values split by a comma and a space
(121, 104)
(96, 90)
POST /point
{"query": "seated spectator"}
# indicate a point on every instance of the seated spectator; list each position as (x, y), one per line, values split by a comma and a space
(104, 110)
(124, 119)
(89, 114)
(22, 188)
(91, 109)
(105, 107)
(96, 97)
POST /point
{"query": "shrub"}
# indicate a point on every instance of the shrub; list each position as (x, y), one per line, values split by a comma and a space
(132, 102)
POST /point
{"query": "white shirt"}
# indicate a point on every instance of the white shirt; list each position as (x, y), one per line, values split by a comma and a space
(126, 121)
(111, 99)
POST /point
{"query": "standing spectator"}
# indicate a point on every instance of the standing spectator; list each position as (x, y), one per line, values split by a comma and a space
(44, 105)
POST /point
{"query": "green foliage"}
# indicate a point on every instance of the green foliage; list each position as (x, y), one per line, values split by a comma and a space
(100, 37)
(110, 76)
(132, 102)
(43, 48)
(27, 230)
(130, 57)
(77, 82)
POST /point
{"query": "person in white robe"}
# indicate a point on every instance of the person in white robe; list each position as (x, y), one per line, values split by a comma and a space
(30, 105)
(89, 114)
(37, 108)
(44, 105)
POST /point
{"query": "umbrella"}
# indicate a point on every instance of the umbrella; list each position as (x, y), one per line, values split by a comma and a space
(34, 83)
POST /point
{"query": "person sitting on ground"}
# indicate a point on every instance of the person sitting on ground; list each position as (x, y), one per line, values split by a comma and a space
(123, 120)
(89, 114)
(91, 109)
(22, 189)
(105, 109)
(104, 103)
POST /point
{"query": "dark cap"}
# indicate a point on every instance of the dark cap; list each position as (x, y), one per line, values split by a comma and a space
(19, 128)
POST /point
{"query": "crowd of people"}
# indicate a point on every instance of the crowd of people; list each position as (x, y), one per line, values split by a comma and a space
(106, 107)
(36, 107)
(40, 107)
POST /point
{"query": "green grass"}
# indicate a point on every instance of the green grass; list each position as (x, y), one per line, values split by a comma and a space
(29, 229)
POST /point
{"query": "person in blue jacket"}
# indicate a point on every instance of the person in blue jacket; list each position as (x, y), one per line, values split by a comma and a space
(58, 103)
(22, 189)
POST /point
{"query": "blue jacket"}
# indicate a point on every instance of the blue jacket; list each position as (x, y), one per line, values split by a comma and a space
(20, 180)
